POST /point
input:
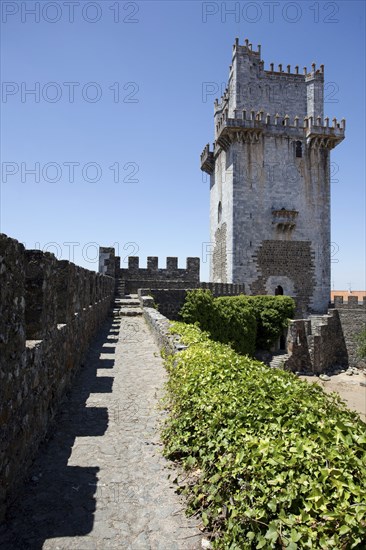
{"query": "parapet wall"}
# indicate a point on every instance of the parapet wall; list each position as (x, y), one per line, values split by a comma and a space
(160, 327)
(49, 312)
(152, 276)
(352, 315)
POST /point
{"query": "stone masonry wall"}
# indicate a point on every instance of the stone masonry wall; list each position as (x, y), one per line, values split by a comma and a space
(49, 312)
(151, 276)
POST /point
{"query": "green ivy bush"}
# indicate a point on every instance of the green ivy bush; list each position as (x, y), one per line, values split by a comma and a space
(272, 314)
(246, 322)
(227, 321)
(277, 463)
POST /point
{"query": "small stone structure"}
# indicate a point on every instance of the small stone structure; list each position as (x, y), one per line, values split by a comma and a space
(49, 312)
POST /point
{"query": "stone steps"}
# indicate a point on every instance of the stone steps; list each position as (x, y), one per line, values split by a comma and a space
(127, 312)
(278, 361)
(126, 305)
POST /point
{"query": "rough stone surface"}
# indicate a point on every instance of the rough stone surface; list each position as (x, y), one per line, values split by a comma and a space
(100, 480)
(283, 263)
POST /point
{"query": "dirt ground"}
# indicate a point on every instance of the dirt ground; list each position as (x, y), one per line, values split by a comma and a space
(348, 387)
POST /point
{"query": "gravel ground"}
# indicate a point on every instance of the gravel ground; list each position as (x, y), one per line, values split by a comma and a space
(348, 387)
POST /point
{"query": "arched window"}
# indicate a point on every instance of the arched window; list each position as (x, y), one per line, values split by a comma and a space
(219, 212)
(279, 291)
(298, 149)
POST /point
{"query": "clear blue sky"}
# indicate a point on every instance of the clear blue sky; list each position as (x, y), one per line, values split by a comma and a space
(156, 56)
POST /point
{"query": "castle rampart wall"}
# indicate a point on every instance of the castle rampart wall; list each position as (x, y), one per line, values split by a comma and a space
(49, 312)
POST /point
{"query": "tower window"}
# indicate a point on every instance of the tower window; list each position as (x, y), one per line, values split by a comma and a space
(219, 212)
(279, 291)
(298, 149)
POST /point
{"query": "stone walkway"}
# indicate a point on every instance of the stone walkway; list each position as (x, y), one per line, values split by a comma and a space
(100, 481)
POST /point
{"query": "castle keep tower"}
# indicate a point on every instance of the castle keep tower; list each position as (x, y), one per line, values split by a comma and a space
(270, 181)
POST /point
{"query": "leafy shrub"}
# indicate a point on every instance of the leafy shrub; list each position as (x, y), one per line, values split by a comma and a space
(247, 322)
(277, 462)
(272, 314)
(227, 321)
(198, 308)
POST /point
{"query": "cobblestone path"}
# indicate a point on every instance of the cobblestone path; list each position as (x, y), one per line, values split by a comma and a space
(100, 481)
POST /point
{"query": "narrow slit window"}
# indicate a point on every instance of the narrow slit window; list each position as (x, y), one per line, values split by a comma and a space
(298, 149)
(219, 212)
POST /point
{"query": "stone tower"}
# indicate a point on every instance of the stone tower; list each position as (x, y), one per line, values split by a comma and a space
(270, 181)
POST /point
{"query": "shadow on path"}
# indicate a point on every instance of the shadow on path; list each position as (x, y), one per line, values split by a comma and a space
(58, 500)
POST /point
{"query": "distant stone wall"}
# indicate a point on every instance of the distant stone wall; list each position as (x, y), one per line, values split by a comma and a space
(49, 312)
(170, 301)
(352, 315)
(151, 276)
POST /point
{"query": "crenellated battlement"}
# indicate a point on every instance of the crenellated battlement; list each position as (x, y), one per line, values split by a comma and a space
(275, 88)
(250, 119)
(352, 303)
(247, 126)
(246, 49)
(171, 276)
(135, 276)
(171, 266)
